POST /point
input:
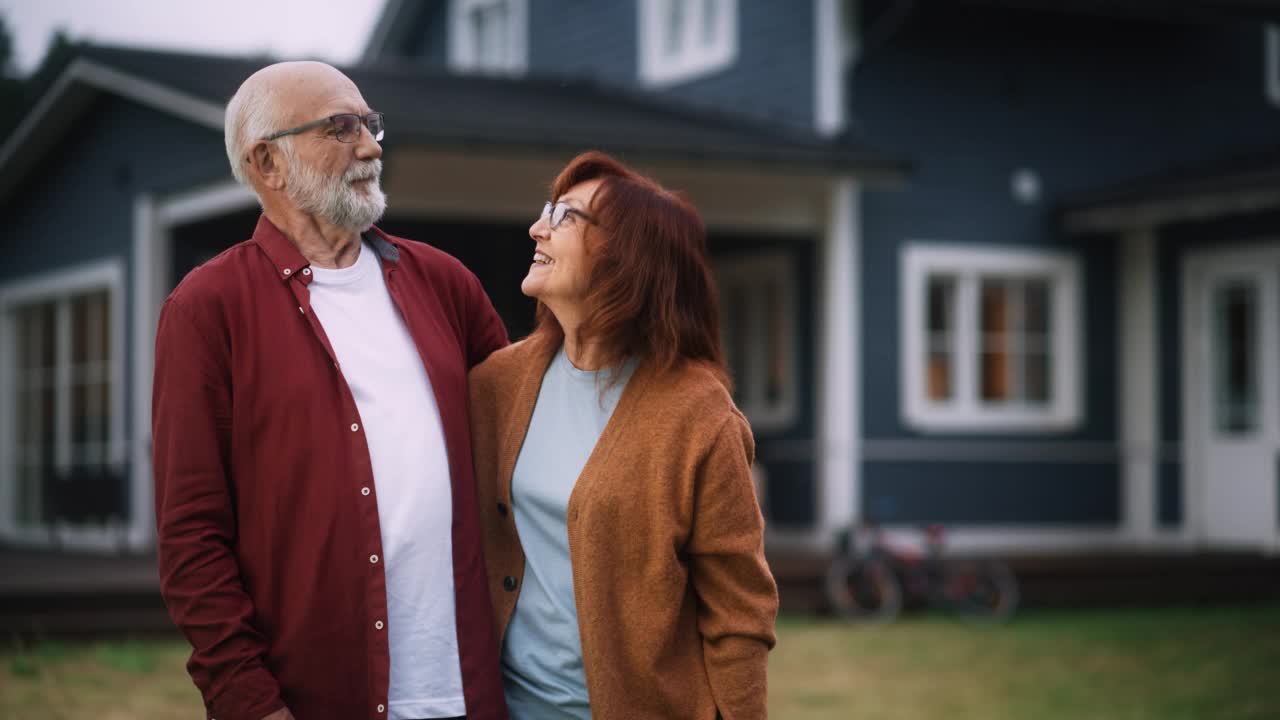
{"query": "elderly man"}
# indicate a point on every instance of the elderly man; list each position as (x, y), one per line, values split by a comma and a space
(317, 516)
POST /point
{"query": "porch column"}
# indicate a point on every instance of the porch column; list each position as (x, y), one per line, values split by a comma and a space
(142, 525)
(1139, 382)
(838, 386)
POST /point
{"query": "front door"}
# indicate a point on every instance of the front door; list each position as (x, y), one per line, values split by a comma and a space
(1233, 394)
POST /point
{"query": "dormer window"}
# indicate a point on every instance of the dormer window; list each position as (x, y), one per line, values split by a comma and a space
(489, 36)
(684, 39)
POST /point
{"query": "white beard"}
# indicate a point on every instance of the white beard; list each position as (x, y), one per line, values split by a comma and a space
(334, 199)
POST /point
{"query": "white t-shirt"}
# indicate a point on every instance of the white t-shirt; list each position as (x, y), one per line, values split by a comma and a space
(411, 473)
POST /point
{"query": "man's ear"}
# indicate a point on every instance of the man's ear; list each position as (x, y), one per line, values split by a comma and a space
(265, 161)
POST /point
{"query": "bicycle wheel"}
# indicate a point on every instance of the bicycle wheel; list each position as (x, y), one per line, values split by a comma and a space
(863, 590)
(980, 590)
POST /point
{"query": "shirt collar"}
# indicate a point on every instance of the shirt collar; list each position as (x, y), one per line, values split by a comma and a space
(290, 263)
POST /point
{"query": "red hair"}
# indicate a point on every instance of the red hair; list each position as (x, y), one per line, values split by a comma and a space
(651, 293)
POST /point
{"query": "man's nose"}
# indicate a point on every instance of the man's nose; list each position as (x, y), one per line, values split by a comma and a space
(366, 147)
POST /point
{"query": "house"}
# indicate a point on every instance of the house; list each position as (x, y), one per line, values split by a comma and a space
(116, 184)
(997, 264)
(1042, 338)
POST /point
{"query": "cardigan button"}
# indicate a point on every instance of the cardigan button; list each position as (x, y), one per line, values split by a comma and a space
(502, 509)
(509, 583)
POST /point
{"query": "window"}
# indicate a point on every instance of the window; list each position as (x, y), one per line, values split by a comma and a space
(757, 299)
(489, 36)
(1236, 401)
(990, 339)
(683, 39)
(62, 370)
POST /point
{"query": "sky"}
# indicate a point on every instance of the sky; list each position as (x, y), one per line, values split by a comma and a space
(334, 30)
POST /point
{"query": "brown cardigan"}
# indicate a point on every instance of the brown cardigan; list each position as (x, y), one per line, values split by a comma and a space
(676, 604)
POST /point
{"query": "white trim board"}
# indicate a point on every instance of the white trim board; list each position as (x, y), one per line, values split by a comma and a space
(1138, 362)
(204, 202)
(145, 291)
(839, 386)
(1271, 58)
(57, 283)
(984, 451)
(834, 49)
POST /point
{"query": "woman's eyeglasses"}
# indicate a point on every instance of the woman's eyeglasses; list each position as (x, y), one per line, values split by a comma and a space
(557, 212)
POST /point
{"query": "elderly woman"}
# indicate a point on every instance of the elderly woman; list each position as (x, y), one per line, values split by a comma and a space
(623, 538)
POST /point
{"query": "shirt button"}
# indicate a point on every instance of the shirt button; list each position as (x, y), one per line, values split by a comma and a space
(373, 559)
(381, 707)
(378, 625)
(306, 271)
(509, 583)
(364, 491)
(355, 427)
(287, 271)
(502, 509)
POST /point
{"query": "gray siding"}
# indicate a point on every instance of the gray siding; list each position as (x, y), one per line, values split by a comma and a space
(418, 35)
(772, 77)
(972, 94)
(76, 207)
(593, 39)
(982, 493)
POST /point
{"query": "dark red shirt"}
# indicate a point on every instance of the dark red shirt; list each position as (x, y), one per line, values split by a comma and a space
(266, 503)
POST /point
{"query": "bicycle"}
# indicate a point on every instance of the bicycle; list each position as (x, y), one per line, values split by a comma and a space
(870, 580)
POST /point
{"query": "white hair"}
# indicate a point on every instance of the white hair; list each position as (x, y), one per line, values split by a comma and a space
(252, 113)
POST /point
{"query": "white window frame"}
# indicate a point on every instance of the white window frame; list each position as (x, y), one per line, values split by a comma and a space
(755, 271)
(61, 286)
(463, 53)
(1271, 56)
(657, 68)
(965, 411)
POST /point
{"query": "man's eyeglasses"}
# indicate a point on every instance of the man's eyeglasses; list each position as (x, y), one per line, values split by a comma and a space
(561, 210)
(345, 127)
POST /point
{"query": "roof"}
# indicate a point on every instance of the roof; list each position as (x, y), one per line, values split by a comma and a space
(1243, 183)
(427, 107)
(1151, 10)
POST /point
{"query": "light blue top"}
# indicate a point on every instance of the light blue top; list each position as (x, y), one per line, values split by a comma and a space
(542, 653)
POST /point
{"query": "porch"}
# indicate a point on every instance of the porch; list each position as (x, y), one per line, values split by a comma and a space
(57, 593)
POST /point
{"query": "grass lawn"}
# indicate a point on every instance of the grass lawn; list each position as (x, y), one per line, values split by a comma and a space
(1167, 664)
